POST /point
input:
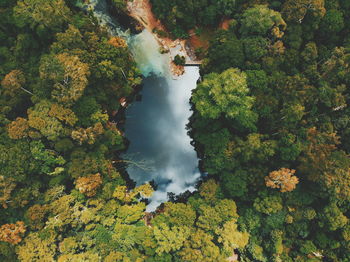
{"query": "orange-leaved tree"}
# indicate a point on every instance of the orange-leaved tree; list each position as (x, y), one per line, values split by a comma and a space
(11, 233)
(18, 128)
(88, 184)
(283, 179)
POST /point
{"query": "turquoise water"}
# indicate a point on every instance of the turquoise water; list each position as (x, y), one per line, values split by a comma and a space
(160, 148)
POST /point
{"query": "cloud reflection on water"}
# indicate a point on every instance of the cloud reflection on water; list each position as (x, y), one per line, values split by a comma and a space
(156, 126)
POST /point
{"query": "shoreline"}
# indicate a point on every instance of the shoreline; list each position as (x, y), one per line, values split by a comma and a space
(141, 10)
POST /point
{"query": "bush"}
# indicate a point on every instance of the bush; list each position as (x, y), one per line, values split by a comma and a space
(179, 60)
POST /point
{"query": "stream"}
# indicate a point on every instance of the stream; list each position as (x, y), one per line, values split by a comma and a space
(156, 125)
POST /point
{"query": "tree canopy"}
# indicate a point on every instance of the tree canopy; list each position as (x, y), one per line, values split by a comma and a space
(270, 126)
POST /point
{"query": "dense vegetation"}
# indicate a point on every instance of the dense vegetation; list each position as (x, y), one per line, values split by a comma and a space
(271, 126)
(271, 121)
(180, 15)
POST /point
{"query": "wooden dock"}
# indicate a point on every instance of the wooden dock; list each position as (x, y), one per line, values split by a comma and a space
(193, 63)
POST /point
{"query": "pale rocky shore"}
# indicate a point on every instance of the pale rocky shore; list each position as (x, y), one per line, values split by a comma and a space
(141, 10)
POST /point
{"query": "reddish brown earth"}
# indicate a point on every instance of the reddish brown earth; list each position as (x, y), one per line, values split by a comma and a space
(141, 10)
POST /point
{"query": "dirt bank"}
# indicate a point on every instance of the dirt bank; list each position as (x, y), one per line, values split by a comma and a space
(141, 10)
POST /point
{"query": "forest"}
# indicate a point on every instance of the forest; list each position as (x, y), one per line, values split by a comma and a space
(270, 125)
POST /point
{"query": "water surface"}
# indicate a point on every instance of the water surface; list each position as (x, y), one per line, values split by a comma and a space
(156, 127)
(160, 148)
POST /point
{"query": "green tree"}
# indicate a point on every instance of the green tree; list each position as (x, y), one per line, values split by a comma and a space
(176, 214)
(310, 53)
(129, 214)
(336, 176)
(40, 13)
(84, 109)
(209, 190)
(226, 94)
(256, 148)
(74, 81)
(66, 75)
(231, 238)
(289, 146)
(227, 7)
(179, 60)
(269, 204)
(35, 248)
(225, 51)
(255, 47)
(234, 185)
(333, 217)
(88, 135)
(296, 10)
(200, 247)
(336, 68)
(70, 40)
(332, 22)
(49, 162)
(292, 113)
(39, 119)
(261, 20)
(16, 160)
(317, 157)
(213, 216)
(170, 238)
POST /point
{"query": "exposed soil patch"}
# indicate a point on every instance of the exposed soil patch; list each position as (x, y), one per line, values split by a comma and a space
(225, 24)
(141, 10)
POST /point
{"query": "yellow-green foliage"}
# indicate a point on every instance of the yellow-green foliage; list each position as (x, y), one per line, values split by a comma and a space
(272, 101)
(230, 237)
(131, 213)
(170, 238)
(127, 196)
(86, 257)
(35, 248)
